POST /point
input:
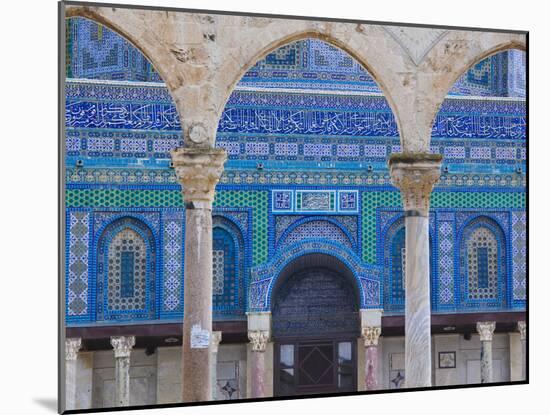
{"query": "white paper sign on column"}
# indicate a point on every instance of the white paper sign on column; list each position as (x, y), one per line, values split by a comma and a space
(200, 338)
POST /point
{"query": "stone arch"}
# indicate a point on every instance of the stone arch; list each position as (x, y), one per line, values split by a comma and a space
(138, 28)
(464, 234)
(448, 60)
(360, 42)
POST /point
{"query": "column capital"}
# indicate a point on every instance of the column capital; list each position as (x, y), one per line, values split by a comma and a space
(522, 328)
(485, 330)
(415, 174)
(72, 346)
(259, 339)
(371, 334)
(198, 170)
(123, 345)
(215, 339)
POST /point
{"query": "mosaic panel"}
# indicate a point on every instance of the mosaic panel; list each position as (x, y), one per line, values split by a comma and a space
(238, 177)
(348, 201)
(126, 271)
(77, 263)
(112, 305)
(154, 198)
(284, 223)
(172, 300)
(316, 229)
(218, 266)
(484, 232)
(446, 262)
(519, 255)
(230, 266)
(440, 199)
(258, 201)
(397, 269)
(482, 265)
(315, 201)
(93, 51)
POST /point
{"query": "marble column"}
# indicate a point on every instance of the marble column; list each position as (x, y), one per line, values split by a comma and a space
(486, 330)
(72, 346)
(415, 174)
(522, 328)
(259, 340)
(122, 346)
(198, 171)
(214, 346)
(371, 335)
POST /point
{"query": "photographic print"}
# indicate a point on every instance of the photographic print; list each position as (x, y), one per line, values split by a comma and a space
(260, 206)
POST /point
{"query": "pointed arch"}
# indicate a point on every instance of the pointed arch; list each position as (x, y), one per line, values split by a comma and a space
(126, 271)
(483, 264)
(229, 268)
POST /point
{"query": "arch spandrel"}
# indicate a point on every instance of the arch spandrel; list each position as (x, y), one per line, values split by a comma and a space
(447, 61)
(202, 57)
(371, 46)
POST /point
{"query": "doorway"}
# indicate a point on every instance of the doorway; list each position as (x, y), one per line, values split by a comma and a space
(315, 328)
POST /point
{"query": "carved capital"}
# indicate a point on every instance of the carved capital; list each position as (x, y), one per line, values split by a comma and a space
(522, 328)
(371, 334)
(72, 346)
(215, 339)
(259, 339)
(123, 345)
(198, 170)
(415, 174)
(485, 330)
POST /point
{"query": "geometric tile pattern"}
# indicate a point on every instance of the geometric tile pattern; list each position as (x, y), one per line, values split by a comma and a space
(484, 233)
(482, 264)
(172, 299)
(446, 262)
(77, 270)
(127, 271)
(302, 138)
(97, 52)
(233, 176)
(112, 305)
(519, 255)
(218, 256)
(258, 201)
(229, 252)
(320, 229)
(455, 200)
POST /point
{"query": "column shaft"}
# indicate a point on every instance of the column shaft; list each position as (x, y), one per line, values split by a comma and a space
(371, 335)
(522, 328)
(415, 174)
(485, 330)
(198, 170)
(197, 322)
(122, 346)
(259, 340)
(258, 373)
(417, 303)
(216, 339)
(371, 367)
(486, 362)
(122, 381)
(71, 355)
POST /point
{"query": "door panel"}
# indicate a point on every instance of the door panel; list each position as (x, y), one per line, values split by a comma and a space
(321, 366)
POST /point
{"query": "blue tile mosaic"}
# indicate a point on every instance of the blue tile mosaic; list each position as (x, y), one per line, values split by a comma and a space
(317, 160)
